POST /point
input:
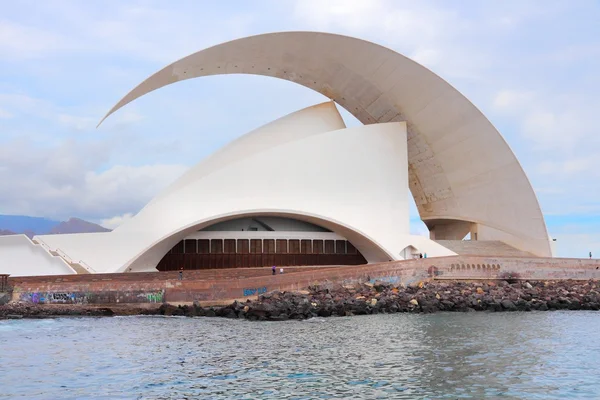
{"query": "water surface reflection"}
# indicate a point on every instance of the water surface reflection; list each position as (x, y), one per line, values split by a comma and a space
(510, 355)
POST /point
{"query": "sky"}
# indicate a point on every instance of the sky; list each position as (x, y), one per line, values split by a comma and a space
(530, 66)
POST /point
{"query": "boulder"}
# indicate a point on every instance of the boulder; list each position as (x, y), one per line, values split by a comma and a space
(210, 313)
(324, 312)
(280, 317)
(508, 305)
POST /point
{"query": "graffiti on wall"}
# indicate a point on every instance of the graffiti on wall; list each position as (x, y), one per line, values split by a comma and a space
(386, 279)
(60, 297)
(103, 297)
(255, 291)
(154, 297)
(54, 297)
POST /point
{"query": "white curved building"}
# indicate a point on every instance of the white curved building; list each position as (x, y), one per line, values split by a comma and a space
(301, 190)
(306, 190)
(462, 174)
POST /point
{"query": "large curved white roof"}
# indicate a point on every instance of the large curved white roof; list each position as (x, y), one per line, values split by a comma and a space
(306, 166)
(460, 167)
(309, 121)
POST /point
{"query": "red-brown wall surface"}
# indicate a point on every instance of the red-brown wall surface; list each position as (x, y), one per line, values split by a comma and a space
(224, 285)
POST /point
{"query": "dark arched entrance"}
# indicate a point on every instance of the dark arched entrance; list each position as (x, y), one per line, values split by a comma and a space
(260, 241)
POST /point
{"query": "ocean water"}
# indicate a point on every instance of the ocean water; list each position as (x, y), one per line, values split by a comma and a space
(538, 355)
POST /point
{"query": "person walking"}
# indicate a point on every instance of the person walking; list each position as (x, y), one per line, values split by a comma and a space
(590, 255)
(274, 270)
(181, 273)
(280, 271)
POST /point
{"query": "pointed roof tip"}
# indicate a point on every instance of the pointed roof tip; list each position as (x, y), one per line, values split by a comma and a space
(103, 118)
(327, 103)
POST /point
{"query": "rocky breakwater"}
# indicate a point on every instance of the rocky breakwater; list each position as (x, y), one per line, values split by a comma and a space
(21, 310)
(322, 301)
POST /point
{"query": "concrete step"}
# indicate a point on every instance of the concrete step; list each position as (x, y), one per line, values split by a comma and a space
(79, 268)
(483, 248)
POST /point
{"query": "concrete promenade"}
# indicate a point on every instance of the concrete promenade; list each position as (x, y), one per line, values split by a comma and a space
(222, 286)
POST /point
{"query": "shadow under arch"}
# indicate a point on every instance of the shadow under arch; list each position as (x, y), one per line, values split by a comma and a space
(148, 259)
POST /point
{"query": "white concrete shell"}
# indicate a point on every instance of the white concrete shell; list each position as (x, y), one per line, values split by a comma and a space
(462, 174)
(19, 256)
(353, 182)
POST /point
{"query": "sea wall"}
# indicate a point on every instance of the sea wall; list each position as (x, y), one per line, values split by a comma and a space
(225, 285)
(359, 299)
(534, 268)
(138, 288)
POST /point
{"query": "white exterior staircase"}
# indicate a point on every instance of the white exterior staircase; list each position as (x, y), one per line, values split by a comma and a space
(80, 267)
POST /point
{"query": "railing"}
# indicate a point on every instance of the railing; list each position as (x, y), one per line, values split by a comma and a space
(86, 266)
(44, 245)
(69, 260)
(65, 256)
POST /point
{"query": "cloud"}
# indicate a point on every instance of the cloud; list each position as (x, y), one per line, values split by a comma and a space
(555, 128)
(21, 105)
(76, 122)
(122, 189)
(446, 39)
(567, 168)
(513, 102)
(5, 114)
(142, 30)
(116, 221)
(419, 30)
(348, 14)
(25, 42)
(64, 180)
(560, 142)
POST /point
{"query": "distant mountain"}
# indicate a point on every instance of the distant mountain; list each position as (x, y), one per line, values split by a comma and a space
(29, 233)
(76, 225)
(21, 223)
(31, 226)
